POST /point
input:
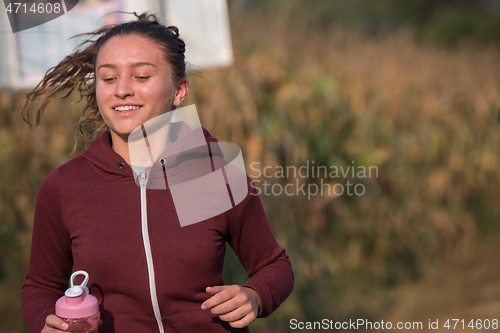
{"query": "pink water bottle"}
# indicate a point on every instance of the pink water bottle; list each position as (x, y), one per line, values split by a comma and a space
(78, 308)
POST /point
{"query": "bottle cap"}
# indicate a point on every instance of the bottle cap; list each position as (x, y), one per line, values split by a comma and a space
(77, 301)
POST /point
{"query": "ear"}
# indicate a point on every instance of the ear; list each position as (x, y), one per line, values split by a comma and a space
(181, 92)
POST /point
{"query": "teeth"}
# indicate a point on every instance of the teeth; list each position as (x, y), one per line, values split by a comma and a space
(126, 108)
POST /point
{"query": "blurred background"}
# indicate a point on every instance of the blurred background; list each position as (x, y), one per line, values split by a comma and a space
(410, 87)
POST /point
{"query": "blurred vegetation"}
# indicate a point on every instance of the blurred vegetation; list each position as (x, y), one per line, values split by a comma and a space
(307, 87)
(445, 22)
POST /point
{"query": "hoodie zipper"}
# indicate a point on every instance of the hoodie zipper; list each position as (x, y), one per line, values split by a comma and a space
(143, 180)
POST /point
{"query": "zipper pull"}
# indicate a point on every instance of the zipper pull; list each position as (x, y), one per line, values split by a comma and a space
(142, 179)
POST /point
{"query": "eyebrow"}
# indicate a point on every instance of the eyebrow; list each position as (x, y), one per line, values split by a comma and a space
(136, 64)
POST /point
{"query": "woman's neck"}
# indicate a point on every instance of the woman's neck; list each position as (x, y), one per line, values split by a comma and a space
(120, 146)
(145, 151)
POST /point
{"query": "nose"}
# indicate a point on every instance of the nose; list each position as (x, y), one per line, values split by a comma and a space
(124, 88)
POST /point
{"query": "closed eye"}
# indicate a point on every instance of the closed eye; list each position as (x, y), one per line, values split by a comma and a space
(142, 78)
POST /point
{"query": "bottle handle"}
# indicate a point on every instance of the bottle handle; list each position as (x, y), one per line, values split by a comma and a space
(84, 284)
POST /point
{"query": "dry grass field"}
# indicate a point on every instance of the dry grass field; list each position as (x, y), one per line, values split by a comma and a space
(427, 117)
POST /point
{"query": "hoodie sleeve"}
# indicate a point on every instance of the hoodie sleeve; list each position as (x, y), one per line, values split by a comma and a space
(265, 261)
(50, 261)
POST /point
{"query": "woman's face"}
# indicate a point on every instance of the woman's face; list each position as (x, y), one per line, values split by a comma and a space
(133, 84)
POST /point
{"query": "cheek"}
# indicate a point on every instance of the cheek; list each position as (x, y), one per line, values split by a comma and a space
(101, 103)
(101, 88)
(98, 94)
(102, 94)
(156, 95)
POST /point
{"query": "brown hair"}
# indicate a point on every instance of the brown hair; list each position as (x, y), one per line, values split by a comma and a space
(77, 73)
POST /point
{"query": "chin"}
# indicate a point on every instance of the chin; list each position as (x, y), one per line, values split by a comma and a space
(122, 133)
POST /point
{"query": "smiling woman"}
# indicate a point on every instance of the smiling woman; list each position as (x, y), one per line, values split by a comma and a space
(133, 87)
(148, 272)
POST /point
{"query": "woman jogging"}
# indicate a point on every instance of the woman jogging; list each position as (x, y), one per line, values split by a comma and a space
(98, 213)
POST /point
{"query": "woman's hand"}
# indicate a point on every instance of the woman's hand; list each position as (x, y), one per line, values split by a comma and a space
(235, 304)
(54, 324)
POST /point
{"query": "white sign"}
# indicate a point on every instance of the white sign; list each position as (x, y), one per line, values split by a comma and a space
(26, 55)
(204, 27)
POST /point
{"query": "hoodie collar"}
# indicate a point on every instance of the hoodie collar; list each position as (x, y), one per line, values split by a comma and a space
(101, 154)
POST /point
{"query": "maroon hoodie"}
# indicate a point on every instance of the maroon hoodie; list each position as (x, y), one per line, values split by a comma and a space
(146, 275)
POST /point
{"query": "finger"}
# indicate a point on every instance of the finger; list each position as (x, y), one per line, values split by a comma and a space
(225, 294)
(243, 322)
(234, 303)
(237, 313)
(215, 289)
(55, 322)
(51, 330)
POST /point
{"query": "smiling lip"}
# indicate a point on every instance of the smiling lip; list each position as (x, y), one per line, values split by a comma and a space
(126, 107)
(125, 110)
